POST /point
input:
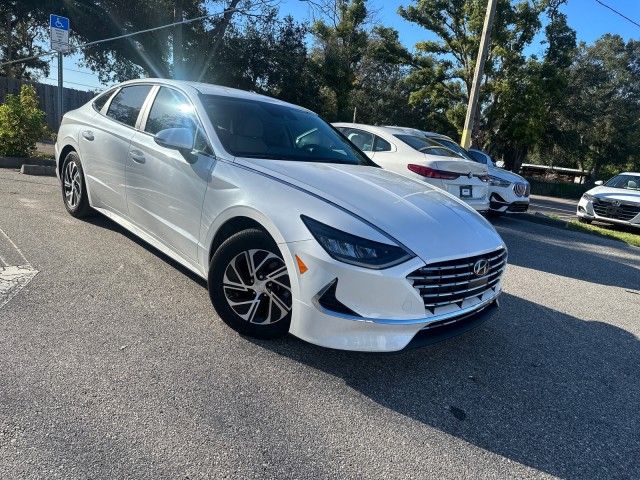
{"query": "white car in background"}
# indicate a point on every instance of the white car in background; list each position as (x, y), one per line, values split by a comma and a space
(508, 191)
(294, 229)
(408, 152)
(616, 201)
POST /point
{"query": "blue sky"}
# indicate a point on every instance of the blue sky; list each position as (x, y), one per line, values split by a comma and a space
(590, 20)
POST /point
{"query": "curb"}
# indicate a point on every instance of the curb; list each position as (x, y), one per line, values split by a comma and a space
(17, 162)
(44, 170)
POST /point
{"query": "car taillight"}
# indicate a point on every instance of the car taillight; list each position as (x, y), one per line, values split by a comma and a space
(432, 172)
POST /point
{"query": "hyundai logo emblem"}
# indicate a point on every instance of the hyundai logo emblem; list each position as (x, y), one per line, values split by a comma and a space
(481, 267)
(616, 203)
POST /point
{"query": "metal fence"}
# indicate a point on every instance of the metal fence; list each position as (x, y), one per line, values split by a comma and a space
(47, 96)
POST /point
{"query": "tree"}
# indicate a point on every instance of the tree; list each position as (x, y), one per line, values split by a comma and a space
(348, 54)
(23, 22)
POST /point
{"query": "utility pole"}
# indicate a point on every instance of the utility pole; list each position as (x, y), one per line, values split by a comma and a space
(178, 51)
(485, 41)
(355, 109)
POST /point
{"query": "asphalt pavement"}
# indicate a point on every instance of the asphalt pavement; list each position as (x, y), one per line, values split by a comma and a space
(113, 364)
(559, 207)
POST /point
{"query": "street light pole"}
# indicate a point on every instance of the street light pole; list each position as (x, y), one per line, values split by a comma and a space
(485, 41)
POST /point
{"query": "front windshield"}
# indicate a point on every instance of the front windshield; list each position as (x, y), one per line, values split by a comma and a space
(625, 181)
(259, 129)
(427, 145)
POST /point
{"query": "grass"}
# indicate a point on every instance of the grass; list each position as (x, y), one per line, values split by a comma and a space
(616, 233)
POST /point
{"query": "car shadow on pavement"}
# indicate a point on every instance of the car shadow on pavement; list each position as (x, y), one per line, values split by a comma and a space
(556, 251)
(534, 385)
(104, 222)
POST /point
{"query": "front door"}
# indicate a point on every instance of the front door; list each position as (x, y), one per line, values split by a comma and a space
(166, 187)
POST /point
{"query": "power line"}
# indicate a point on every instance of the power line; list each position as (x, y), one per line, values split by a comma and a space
(619, 13)
(120, 37)
(86, 72)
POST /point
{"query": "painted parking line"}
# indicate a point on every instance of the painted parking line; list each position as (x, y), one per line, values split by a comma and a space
(15, 270)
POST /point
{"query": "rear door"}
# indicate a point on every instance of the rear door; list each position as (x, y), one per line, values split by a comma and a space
(105, 146)
(166, 187)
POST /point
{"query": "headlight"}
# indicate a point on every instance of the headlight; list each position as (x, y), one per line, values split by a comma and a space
(586, 196)
(354, 250)
(498, 182)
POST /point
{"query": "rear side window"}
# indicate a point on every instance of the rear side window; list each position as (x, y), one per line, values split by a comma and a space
(381, 145)
(99, 102)
(171, 109)
(127, 104)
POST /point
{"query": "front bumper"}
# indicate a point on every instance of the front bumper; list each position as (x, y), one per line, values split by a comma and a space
(384, 312)
(585, 210)
(504, 200)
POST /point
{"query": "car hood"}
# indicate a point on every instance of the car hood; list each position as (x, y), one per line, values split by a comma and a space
(432, 223)
(506, 175)
(459, 166)
(619, 194)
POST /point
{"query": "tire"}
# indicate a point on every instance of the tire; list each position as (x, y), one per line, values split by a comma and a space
(258, 304)
(584, 220)
(74, 188)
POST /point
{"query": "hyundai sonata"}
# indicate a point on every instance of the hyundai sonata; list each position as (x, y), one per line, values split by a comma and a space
(293, 227)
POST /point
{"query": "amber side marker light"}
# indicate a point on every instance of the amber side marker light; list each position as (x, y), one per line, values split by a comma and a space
(301, 266)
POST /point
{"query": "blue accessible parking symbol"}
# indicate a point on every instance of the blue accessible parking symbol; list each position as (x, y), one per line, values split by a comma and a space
(56, 21)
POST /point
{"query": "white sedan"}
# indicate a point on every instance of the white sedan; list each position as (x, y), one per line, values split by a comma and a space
(409, 152)
(294, 229)
(508, 191)
(616, 201)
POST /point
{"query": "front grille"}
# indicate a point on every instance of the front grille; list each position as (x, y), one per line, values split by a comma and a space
(518, 207)
(521, 189)
(454, 281)
(615, 210)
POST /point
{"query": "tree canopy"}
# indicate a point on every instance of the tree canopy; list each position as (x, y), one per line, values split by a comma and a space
(568, 104)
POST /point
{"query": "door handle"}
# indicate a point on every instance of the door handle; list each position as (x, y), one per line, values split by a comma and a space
(88, 134)
(137, 156)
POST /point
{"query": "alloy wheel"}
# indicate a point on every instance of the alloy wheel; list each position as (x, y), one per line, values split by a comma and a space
(256, 287)
(72, 184)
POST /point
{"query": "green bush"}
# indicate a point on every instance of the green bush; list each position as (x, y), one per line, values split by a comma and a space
(21, 123)
(572, 191)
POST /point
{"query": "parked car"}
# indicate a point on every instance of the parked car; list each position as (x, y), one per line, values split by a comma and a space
(294, 229)
(508, 191)
(406, 151)
(616, 201)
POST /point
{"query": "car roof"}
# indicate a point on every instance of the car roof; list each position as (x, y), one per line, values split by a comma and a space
(211, 89)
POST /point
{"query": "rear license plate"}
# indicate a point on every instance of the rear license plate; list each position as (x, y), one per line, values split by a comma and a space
(466, 191)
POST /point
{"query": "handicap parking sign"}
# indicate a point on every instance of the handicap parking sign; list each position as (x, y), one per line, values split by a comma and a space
(59, 29)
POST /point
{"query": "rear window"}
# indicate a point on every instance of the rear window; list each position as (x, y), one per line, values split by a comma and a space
(127, 104)
(426, 145)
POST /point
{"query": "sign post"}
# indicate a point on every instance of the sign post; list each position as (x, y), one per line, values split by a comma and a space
(59, 30)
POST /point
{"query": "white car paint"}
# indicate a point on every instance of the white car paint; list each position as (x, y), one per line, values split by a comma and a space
(398, 155)
(508, 191)
(179, 207)
(610, 204)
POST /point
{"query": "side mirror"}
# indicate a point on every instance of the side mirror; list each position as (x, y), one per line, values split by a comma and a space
(599, 182)
(181, 139)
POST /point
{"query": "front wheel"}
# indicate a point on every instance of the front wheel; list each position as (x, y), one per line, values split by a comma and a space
(74, 188)
(249, 285)
(584, 220)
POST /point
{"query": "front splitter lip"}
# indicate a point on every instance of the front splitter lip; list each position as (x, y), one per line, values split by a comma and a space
(425, 322)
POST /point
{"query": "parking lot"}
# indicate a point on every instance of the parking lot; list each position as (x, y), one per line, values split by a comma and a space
(114, 365)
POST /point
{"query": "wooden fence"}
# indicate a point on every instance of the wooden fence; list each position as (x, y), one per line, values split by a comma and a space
(47, 96)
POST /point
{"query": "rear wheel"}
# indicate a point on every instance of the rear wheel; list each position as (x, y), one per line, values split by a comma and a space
(249, 285)
(74, 189)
